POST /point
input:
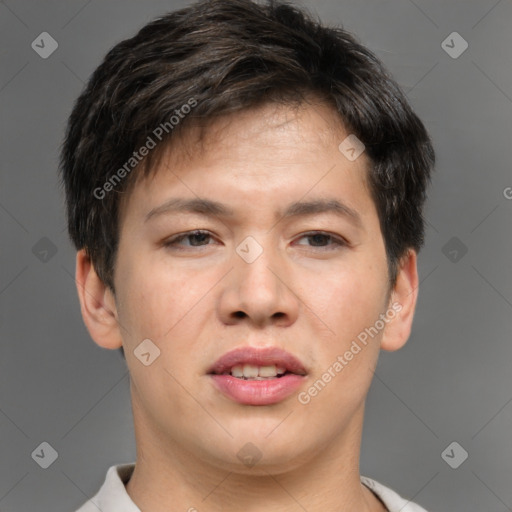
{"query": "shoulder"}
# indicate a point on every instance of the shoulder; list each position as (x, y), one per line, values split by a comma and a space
(390, 498)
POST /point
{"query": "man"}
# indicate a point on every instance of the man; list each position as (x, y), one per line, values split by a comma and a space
(245, 191)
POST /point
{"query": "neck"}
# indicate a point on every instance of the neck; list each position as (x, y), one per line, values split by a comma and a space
(168, 477)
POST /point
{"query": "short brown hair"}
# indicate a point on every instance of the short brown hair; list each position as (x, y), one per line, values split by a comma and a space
(224, 56)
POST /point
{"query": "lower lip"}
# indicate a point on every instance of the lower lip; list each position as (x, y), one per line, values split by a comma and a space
(258, 392)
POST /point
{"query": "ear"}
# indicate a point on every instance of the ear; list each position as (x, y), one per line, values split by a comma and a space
(97, 304)
(402, 304)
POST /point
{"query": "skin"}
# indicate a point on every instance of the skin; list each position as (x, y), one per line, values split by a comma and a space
(200, 299)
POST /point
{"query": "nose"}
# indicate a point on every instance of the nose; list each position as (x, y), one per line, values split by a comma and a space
(259, 291)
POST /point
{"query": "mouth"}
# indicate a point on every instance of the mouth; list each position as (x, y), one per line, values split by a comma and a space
(257, 376)
(252, 372)
(249, 363)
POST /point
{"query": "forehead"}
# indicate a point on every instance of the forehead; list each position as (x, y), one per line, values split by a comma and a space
(270, 147)
(300, 128)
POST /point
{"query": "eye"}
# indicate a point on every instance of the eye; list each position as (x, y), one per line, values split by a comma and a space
(318, 237)
(320, 240)
(196, 236)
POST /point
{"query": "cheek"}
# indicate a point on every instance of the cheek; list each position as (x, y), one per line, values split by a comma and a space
(148, 300)
(347, 357)
(156, 306)
(347, 301)
(157, 301)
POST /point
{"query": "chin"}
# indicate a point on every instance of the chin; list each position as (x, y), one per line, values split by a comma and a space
(250, 454)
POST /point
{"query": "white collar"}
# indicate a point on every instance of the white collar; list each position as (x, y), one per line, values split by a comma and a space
(112, 496)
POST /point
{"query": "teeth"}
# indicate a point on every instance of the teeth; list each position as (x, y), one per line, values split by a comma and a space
(250, 371)
(237, 371)
(267, 371)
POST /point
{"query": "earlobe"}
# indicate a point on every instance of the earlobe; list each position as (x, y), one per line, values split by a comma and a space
(402, 304)
(97, 304)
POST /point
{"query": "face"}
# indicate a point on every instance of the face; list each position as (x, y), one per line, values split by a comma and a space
(293, 287)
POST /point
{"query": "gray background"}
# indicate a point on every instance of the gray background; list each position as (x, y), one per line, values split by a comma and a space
(452, 381)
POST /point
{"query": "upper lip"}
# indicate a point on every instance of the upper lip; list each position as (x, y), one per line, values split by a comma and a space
(258, 357)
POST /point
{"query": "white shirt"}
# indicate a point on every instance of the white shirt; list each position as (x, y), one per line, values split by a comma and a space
(112, 496)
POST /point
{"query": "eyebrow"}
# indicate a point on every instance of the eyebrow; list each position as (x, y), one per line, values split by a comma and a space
(208, 207)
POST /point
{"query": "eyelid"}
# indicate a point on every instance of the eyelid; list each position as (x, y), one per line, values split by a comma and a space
(169, 242)
(338, 240)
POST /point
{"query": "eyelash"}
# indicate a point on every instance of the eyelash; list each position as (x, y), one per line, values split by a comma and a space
(172, 243)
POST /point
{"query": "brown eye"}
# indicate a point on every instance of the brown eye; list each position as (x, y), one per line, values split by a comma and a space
(320, 239)
(195, 237)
